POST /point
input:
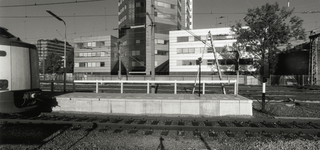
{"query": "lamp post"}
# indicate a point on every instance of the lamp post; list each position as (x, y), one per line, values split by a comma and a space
(65, 48)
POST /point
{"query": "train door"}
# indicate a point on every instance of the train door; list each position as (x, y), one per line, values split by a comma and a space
(5, 68)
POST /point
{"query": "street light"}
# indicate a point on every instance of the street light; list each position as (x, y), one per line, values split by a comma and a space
(65, 48)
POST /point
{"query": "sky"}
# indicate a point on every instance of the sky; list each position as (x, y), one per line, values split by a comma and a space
(28, 19)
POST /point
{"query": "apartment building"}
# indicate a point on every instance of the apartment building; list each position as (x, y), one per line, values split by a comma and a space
(136, 42)
(185, 49)
(95, 55)
(45, 46)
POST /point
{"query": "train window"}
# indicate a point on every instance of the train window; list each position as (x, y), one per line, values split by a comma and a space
(3, 84)
(3, 53)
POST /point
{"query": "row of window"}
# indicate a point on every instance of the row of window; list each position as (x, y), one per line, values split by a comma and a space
(90, 44)
(91, 54)
(164, 5)
(122, 19)
(199, 38)
(199, 50)
(212, 62)
(156, 41)
(89, 64)
(161, 52)
(166, 16)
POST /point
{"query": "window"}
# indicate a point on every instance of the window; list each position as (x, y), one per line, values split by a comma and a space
(161, 41)
(137, 41)
(161, 52)
(188, 62)
(4, 84)
(101, 64)
(138, 4)
(103, 54)
(3, 53)
(185, 50)
(93, 64)
(135, 53)
(183, 39)
(76, 64)
(98, 64)
(91, 44)
(82, 64)
(89, 64)
(210, 62)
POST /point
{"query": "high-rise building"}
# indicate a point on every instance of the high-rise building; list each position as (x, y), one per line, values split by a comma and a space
(95, 55)
(167, 15)
(45, 46)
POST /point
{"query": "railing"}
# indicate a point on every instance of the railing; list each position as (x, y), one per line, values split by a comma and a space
(148, 83)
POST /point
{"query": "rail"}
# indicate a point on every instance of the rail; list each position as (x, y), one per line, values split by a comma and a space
(175, 82)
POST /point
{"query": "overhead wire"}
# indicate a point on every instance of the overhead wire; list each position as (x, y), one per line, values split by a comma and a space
(53, 3)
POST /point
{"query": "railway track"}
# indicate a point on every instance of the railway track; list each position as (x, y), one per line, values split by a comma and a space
(307, 129)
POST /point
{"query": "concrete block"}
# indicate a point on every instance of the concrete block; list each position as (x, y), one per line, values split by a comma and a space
(246, 107)
(66, 104)
(190, 107)
(83, 106)
(209, 107)
(101, 106)
(229, 107)
(117, 106)
(135, 106)
(171, 107)
(153, 106)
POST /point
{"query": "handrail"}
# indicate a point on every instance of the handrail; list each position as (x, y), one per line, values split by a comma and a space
(175, 82)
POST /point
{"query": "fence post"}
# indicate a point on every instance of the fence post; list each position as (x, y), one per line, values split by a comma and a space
(235, 88)
(97, 87)
(175, 87)
(148, 87)
(203, 88)
(52, 86)
(121, 87)
(73, 86)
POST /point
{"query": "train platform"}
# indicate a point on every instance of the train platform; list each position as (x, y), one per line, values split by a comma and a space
(152, 104)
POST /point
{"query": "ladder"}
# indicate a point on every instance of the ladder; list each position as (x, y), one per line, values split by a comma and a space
(216, 60)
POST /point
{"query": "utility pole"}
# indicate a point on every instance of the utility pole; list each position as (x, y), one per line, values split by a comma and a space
(119, 57)
(151, 17)
(199, 61)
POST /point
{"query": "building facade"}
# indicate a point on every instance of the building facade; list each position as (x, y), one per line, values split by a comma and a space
(45, 46)
(136, 47)
(185, 49)
(95, 55)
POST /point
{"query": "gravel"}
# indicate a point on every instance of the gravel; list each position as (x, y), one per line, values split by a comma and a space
(62, 137)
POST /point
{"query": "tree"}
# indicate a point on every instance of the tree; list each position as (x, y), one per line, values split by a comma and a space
(266, 28)
(70, 62)
(53, 63)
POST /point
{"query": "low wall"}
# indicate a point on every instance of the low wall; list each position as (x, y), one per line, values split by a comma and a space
(157, 105)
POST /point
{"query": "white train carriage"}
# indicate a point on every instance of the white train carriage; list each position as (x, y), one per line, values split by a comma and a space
(19, 74)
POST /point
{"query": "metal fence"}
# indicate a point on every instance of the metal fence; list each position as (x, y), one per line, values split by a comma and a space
(281, 80)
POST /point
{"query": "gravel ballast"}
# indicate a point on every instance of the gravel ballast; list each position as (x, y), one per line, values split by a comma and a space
(63, 137)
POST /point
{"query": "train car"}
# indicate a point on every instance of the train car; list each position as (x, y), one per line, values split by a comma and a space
(19, 74)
